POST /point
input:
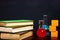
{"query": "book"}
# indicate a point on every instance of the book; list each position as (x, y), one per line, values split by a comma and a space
(15, 30)
(16, 36)
(26, 35)
(9, 21)
(9, 36)
(14, 23)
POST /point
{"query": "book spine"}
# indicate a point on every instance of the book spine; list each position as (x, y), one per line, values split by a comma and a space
(3, 29)
(16, 24)
(9, 36)
(2, 24)
(11, 30)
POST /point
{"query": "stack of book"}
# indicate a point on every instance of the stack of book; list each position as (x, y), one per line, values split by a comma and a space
(16, 29)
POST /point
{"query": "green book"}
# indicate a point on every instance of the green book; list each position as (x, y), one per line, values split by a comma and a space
(16, 22)
(7, 21)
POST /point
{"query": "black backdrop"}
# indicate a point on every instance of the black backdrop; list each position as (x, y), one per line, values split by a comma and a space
(29, 9)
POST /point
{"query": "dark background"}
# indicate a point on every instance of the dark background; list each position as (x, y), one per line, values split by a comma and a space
(29, 9)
